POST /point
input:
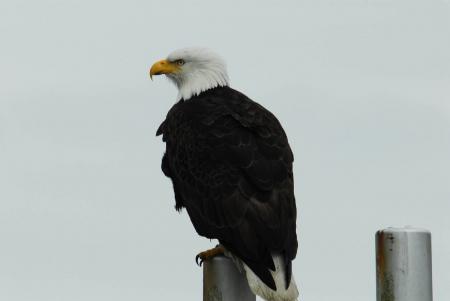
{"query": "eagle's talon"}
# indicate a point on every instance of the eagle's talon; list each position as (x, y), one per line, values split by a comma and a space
(197, 261)
(208, 254)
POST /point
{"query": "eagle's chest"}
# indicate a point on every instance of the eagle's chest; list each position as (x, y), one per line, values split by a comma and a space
(185, 127)
(186, 149)
(181, 133)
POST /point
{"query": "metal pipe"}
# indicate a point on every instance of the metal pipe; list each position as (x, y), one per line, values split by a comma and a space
(403, 264)
(223, 282)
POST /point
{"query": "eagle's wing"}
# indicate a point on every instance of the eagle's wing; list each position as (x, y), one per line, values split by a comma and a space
(231, 166)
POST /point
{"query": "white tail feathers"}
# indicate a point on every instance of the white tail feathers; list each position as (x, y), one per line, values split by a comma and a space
(259, 288)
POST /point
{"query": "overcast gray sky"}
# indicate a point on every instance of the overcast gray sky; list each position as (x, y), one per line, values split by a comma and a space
(362, 88)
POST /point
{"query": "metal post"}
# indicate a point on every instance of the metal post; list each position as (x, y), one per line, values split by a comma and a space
(404, 264)
(223, 282)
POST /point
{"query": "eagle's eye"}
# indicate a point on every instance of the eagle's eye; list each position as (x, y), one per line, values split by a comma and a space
(179, 62)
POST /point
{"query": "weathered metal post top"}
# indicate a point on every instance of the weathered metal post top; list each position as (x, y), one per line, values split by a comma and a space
(223, 282)
(404, 264)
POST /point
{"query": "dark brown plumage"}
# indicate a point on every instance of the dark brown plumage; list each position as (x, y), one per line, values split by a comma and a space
(231, 167)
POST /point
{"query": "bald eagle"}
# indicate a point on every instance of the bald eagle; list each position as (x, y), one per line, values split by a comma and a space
(231, 167)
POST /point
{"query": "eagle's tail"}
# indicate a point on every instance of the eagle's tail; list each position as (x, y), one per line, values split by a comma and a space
(283, 292)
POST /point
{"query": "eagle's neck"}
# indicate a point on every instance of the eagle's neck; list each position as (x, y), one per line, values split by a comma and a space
(200, 80)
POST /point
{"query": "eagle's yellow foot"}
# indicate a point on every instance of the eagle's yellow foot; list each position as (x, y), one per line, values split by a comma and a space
(208, 254)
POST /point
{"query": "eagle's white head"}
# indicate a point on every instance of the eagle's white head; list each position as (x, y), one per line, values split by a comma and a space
(193, 70)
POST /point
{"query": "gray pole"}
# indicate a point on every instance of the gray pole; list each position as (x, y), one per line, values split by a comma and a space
(223, 282)
(404, 264)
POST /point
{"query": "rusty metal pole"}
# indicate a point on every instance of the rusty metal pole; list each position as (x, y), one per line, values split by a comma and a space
(223, 282)
(404, 264)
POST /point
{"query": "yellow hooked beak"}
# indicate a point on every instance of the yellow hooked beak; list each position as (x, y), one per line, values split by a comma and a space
(163, 67)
